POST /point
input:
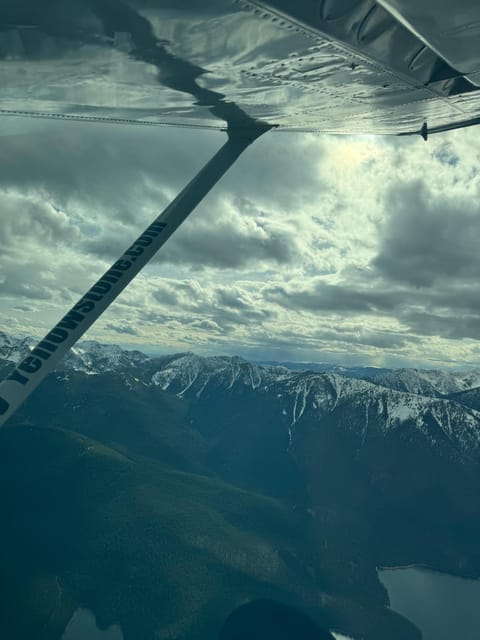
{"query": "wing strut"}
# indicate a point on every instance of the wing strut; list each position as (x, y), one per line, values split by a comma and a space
(45, 356)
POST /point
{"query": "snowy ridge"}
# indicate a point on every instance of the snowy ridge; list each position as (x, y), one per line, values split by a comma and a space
(305, 395)
(13, 348)
(317, 395)
(426, 382)
(191, 373)
(301, 396)
(93, 358)
(89, 356)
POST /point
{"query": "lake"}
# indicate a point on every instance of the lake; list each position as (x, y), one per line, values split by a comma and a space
(441, 606)
(83, 625)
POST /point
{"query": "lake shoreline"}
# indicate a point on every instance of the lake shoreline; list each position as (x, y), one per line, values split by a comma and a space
(426, 567)
(439, 604)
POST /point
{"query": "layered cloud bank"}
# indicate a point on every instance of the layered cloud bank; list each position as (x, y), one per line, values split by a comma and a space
(311, 248)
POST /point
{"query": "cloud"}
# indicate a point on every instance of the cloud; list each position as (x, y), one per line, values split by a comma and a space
(29, 221)
(228, 308)
(282, 170)
(447, 325)
(110, 182)
(429, 237)
(107, 165)
(226, 237)
(360, 295)
(206, 325)
(122, 329)
(310, 248)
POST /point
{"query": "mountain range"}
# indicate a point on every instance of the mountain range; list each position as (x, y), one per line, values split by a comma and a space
(370, 467)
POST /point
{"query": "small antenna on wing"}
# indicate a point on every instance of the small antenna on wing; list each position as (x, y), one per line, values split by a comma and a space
(424, 131)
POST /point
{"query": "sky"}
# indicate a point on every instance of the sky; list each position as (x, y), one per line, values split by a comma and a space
(349, 250)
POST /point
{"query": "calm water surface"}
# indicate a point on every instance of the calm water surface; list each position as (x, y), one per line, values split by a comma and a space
(83, 626)
(443, 607)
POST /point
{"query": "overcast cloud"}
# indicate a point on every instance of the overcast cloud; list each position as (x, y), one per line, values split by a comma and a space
(339, 249)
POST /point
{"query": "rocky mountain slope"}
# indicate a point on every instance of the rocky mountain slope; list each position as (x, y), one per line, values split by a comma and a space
(437, 404)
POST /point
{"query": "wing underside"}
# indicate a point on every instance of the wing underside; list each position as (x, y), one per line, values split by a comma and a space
(339, 66)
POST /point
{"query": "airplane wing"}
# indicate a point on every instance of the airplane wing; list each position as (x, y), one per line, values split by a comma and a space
(338, 66)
